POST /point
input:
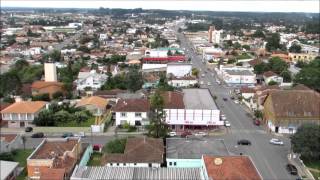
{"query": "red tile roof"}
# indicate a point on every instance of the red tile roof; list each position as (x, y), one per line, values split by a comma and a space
(52, 174)
(269, 74)
(170, 58)
(230, 168)
(132, 105)
(173, 100)
(25, 107)
(49, 149)
(43, 84)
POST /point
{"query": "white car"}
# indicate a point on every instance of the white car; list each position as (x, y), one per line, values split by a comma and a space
(202, 75)
(276, 141)
(202, 134)
(171, 134)
(80, 134)
(201, 82)
(236, 101)
(223, 117)
(227, 124)
(209, 83)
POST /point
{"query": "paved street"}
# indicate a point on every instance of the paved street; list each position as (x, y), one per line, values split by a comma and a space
(269, 159)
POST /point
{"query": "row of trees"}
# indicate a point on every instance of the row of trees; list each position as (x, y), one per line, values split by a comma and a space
(57, 115)
(309, 75)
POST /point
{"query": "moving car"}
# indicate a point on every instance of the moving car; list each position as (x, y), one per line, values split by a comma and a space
(236, 101)
(244, 142)
(227, 124)
(38, 135)
(186, 134)
(171, 134)
(202, 134)
(276, 141)
(292, 169)
(28, 129)
(232, 98)
(225, 99)
(209, 83)
(223, 117)
(80, 134)
(69, 134)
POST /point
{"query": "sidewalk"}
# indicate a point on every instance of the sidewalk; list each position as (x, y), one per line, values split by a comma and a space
(302, 169)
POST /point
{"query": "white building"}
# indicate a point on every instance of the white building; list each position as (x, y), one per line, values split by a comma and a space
(193, 108)
(271, 76)
(32, 51)
(22, 114)
(132, 111)
(237, 75)
(187, 81)
(179, 69)
(90, 79)
(211, 54)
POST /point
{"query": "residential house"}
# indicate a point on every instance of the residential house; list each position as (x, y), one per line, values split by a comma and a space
(237, 76)
(58, 155)
(90, 79)
(269, 76)
(139, 152)
(43, 87)
(191, 109)
(132, 111)
(21, 114)
(9, 142)
(306, 57)
(95, 104)
(9, 170)
(229, 167)
(286, 110)
(187, 153)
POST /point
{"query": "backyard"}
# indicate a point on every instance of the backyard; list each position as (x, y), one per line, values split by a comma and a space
(95, 159)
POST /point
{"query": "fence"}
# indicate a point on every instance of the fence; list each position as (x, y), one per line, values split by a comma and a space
(86, 156)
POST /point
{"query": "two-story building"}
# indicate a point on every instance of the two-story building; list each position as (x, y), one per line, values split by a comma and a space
(55, 155)
(21, 114)
(132, 111)
(90, 79)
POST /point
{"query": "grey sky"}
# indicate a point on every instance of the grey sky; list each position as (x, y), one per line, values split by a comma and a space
(227, 5)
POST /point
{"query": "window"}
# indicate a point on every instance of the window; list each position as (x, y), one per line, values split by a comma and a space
(117, 164)
(150, 165)
(110, 164)
(138, 114)
(170, 163)
(123, 114)
(124, 164)
(175, 163)
(135, 164)
(137, 123)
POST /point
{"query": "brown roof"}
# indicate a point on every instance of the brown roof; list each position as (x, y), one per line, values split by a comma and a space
(139, 150)
(52, 174)
(94, 100)
(269, 74)
(301, 87)
(49, 149)
(173, 99)
(295, 103)
(230, 168)
(255, 62)
(247, 90)
(43, 84)
(7, 137)
(132, 105)
(112, 92)
(25, 107)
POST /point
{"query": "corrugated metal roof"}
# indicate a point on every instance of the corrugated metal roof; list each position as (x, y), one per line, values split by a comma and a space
(136, 173)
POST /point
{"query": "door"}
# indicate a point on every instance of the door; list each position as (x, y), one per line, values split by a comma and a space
(277, 129)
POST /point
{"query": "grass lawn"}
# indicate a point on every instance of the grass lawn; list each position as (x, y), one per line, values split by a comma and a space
(21, 157)
(87, 123)
(95, 159)
(315, 165)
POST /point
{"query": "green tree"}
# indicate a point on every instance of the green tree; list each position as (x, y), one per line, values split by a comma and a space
(277, 65)
(62, 116)
(259, 34)
(286, 75)
(236, 45)
(157, 127)
(45, 118)
(55, 55)
(271, 83)
(169, 53)
(163, 84)
(134, 79)
(258, 114)
(306, 142)
(115, 146)
(41, 97)
(195, 72)
(273, 42)
(57, 95)
(295, 48)
(310, 75)
(81, 116)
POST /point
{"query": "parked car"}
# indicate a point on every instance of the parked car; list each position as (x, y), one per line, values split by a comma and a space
(256, 122)
(225, 99)
(276, 141)
(202, 75)
(80, 134)
(97, 147)
(209, 83)
(69, 134)
(28, 129)
(227, 124)
(172, 133)
(292, 169)
(223, 117)
(236, 101)
(232, 98)
(38, 135)
(244, 142)
(202, 134)
(186, 133)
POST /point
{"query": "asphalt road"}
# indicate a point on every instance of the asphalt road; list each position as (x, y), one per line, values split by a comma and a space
(269, 159)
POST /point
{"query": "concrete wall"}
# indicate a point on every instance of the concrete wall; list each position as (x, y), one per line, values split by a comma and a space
(129, 118)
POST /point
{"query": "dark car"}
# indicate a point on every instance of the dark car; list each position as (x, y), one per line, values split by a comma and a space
(225, 99)
(244, 142)
(28, 129)
(38, 135)
(186, 133)
(292, 169)
(232, 98)
(69, 134)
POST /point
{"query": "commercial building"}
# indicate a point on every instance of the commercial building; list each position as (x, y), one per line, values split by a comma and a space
(237, 76)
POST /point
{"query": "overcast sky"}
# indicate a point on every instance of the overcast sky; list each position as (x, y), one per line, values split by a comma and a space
(212, 5)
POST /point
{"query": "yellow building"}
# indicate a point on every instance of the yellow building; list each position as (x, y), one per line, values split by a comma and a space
(306, 57)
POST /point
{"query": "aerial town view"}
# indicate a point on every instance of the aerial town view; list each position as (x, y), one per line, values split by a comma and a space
(160, 90)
